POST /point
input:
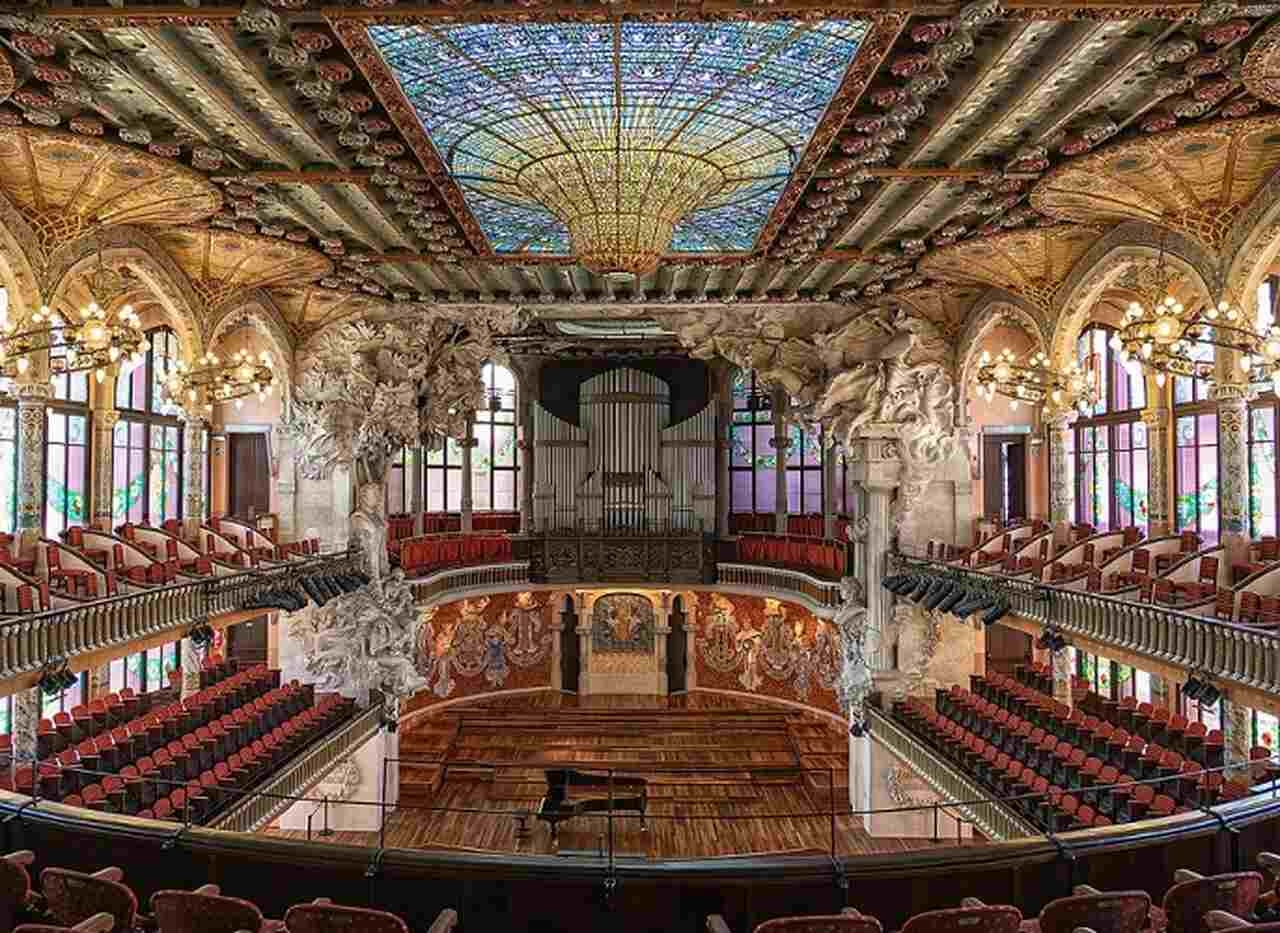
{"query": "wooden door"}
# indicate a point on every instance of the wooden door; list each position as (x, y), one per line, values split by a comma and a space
(248, 474)
(569, 661)
(677, 642)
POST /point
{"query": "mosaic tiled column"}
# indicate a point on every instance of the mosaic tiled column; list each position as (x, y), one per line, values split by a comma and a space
(32, 401)
(26, 719)
(1062, 671)
(192, 658)
(780, 442)
(102, 491)
(1060, 478)
(1233, 468)
(1160, 694)
(99, 681)
(1159, 483)
(1237, 731)
(193, 483)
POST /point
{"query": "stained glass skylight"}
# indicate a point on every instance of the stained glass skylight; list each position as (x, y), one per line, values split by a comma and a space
(535, 120)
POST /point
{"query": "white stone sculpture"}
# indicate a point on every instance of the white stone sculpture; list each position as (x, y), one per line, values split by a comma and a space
(861, 641)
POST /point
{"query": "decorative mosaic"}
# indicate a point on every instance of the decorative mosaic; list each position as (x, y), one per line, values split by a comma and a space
(497, 98)
(221, 262)
(484, 644)
(622, 623)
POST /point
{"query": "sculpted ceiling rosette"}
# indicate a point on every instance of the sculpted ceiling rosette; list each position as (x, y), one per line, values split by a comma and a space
(1029, 263)
(1195, 179)
(1261, 71)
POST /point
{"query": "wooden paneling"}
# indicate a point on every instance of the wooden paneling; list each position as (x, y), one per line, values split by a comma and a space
(249, 473)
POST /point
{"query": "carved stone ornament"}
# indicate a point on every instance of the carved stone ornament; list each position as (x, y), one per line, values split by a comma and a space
(861, 643)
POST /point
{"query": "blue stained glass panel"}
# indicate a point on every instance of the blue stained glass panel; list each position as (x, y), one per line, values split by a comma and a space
(495, 98)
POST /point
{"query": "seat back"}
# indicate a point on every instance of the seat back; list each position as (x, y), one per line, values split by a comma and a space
(73, 896)
(1110, 912)
(332, 918)
(987, 919)
(189, 912)
(15, 885)
(1188, 902)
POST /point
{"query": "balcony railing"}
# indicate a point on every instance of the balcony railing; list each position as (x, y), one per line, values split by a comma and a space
(823, 593)
(1247, 656)
(263, 804)
(26, 642)
(996, 820)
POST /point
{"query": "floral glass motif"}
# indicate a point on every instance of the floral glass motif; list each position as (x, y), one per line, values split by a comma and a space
(752, 459)
(1263, 506)
(8, 470)
(66, 471)
(503, 101)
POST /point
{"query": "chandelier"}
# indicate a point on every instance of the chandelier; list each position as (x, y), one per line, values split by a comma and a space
(211, 379)
(1163, 335)
(1034, 382)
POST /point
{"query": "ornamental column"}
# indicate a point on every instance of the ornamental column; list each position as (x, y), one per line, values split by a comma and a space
(724, 427)
(1160, 484)
(33, 398)
(1237, 731)
(102, 491)
(26, 720)
(193, 434)
(829, 455)
(879, 525)
(1233, 468)
(1060, 475)
(963, 517)
(468, 497)
(780, 442)
(1062, 664)
(413, 464)
(191, 660)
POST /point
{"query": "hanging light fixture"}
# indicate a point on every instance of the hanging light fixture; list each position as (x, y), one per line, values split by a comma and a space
(87, 342)
(1035, 382)
(210, 380)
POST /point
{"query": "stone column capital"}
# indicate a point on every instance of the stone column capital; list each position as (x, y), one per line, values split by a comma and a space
(1230, 394)
(105, 418)
(33, 394)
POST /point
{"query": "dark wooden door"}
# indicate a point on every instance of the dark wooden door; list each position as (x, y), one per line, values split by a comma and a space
(677, 642)
(248, 473)
(1004, 476)
(569, 660)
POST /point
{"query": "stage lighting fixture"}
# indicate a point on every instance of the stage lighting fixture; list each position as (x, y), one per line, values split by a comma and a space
(1210, 695)
(994, 614)
(1043, 641)
(953, 599)
(1058, 642)
(921, 588)
(860, 729)
(1193, 687)
(894, 580)
(938, 593)
(978, 602)
(907, 585)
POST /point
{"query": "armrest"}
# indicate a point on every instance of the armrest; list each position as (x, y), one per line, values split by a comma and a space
(1268, 860)
(1186, 874)
(101, 922)
(111, 873)
(26, 857)
(716, 924)
(322, 901)
(1085, 889)
(445, 921)
(971, 902)
(211, 890)
(1223, 920)
(1083, 930)
(850, 912)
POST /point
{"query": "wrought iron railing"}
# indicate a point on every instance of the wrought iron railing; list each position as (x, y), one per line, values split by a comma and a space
(26, 642)
(290, 784)
(1226, 650)
(997, 820)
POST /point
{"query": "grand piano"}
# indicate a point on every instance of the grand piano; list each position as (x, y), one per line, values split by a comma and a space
(572, 793)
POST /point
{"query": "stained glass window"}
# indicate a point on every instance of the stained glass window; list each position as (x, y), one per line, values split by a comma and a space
(66, 470)
(8, 469)
(67, 387)
(63, 702)
(147, 443)
(498, 99)
(1109, 446)
(1266, 730)
(1264, 496)
(443, 471)
(1196, 474)
(804, 470)
(494, 463)
(1186, 389)
(752, 458)
(398, 480)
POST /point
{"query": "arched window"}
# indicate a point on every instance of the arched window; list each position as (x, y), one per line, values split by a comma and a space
(66, 450)
(1264, 492)
(1110, 448)
(753, 460)
(1195, 463)
(495, 459)
(147, 450)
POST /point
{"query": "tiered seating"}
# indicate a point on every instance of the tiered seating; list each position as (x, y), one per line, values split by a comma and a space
(1132, 535)
(990, 558)
(185, 760)
(1188, 544)
(811, 555)
(1137, 574)
(1061, 570)
(748, 522)
(1066, 769)
(101, 901)
(438, 552)
(1264, 553)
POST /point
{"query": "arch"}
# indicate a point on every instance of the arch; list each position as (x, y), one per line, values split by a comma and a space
(254, 307)
(1126, 246)
(149, 261)
(19, 259)
(994, 307)
(1254, 243)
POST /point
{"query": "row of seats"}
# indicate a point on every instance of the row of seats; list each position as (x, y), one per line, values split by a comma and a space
(814, 555)
(101, 901)
(434, 552)
(401, 525)
(1193, 904)
(807, 525)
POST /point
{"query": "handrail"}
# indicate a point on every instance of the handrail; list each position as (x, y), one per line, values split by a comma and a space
(263, 804)
(824, 593)
(1226, 650)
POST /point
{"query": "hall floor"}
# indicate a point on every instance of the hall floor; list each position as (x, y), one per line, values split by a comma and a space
(725, 777)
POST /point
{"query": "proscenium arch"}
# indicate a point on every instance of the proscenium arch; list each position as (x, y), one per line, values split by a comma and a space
(256, 308)
(152, 265)
(1111, 257)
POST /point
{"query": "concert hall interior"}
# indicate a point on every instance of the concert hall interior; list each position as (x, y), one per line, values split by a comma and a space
(698, 465)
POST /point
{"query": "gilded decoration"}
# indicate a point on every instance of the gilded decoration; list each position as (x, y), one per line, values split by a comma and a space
(1261, 71)
(766, 646)
(622, 623)
(68, 185)
(8, 82)
(220, 263)
(481, 644)
(1030, 263)
(1194, 179)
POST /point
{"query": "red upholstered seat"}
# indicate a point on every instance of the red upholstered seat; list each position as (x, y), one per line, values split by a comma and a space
(194, 912)
(1108, 912)
(985, 919)
(73, 896)
(15, 886)
(330, 918)
(1187, 902)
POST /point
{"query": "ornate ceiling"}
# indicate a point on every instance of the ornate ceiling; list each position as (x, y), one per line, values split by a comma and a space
(853, 155)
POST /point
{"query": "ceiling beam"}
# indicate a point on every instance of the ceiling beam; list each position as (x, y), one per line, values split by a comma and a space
(692, 260)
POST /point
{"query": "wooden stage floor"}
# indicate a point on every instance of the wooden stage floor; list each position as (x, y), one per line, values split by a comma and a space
(755, 793)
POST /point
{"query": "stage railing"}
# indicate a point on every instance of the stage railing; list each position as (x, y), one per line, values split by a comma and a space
(1229, 651)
